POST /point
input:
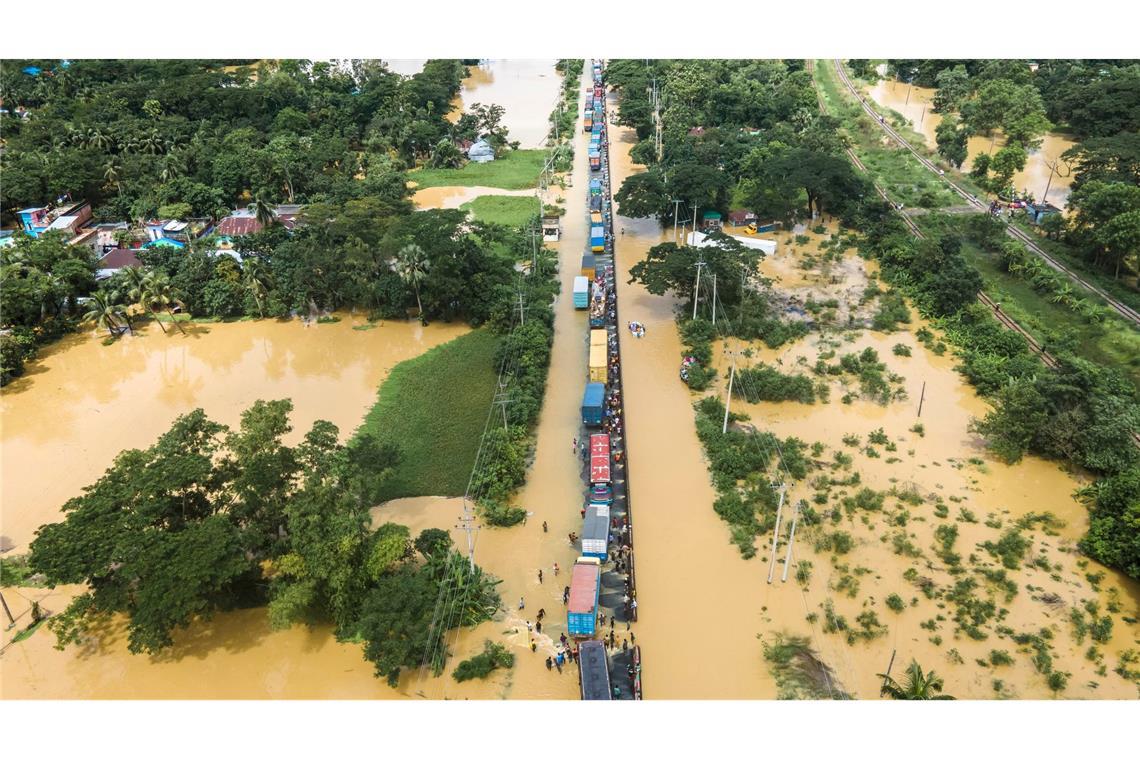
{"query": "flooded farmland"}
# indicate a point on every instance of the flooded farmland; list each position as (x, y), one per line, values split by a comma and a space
(914, 103)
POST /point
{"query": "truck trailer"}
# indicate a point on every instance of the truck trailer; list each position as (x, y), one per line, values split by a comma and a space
(596, 531)
(597, 239)
(599, 458)
(593, 404)
(585, 585)
(581, 292)
(594, 671)
(598, 365)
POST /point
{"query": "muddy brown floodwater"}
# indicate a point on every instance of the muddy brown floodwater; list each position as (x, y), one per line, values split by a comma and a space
(527, 88)
(914, 103)
(699, 604)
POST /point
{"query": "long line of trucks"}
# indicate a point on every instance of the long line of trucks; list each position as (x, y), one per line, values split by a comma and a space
(590, 292)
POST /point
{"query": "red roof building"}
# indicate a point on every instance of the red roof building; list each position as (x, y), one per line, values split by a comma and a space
(238, 224)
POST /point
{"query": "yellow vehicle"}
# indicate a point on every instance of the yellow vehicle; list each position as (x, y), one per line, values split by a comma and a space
(598, 366)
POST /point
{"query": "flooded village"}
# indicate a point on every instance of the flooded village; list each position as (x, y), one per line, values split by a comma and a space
(899, 536)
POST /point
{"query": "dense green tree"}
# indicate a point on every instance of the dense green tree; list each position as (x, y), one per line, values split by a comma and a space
(953, 89)
(952, 141)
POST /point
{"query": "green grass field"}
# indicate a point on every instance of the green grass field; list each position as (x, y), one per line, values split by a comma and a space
(517, 170)
(434, 407)
(502, 209)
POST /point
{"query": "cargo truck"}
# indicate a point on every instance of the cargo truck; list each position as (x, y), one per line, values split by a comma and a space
(595, 160)
(598, 365)
(588, 122)
(595, 218)
(582, 611)
(595, 187)
(597, 239)
(588, 266)
(581, 292)
(594, 671)
(596, 201)
(593, 404)
(596, 531)
(599, 458)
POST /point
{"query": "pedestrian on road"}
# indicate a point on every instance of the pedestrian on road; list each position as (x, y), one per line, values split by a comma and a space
(538, 627)
(522, 604)
(632, 638)
(556, 568)
(529, 626)
(540, 575)
(624, 646)
(533, 646)
(574, 445)
(549, 663)
(544, 527)
(541, 613)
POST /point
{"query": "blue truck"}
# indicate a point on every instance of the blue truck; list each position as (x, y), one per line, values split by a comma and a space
(597, 239)
(593, 404)
(595, 187)
(581, 292)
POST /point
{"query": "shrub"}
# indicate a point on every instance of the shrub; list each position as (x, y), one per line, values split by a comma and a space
(894, 602)
(494, 656)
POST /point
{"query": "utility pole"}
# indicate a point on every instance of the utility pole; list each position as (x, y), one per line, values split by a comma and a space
(8, 612)
(922, 398)
(728, 396)
(714, 299)
(697, 289)
(776, 535)
(791, 542)
(676, 211)
(467, 524)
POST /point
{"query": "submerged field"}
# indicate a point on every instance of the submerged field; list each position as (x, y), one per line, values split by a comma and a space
(912, 540)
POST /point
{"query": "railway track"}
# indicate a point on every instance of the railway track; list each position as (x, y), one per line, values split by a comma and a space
(1132, 315)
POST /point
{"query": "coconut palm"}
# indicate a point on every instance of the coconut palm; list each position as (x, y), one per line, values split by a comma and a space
(113, 173)
(159, 294)
(412, 265)
(262, 209)
(102, 312)
(256, 279)
(916, 685)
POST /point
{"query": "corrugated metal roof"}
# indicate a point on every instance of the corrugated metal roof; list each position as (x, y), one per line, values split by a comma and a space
(594, 671)
(595, 526)
(583, 587)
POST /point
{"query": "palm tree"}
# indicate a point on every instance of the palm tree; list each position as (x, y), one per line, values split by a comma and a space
(102, 312)
(262, 209)
(159, 294)
(113, 172)
(256, 280)
(412, 265)
(916, 685)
